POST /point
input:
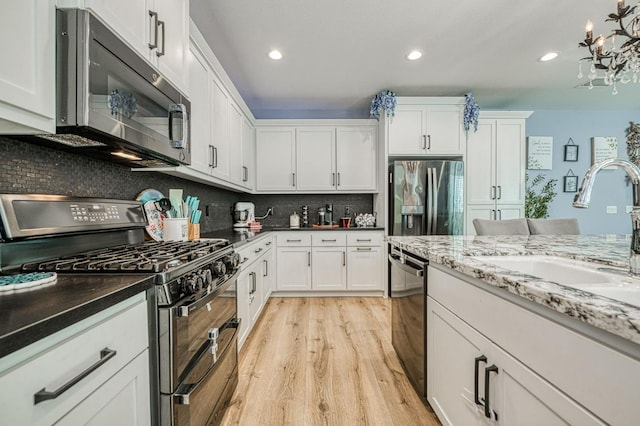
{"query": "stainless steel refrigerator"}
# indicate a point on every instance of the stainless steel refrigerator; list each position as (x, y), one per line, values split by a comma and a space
(428, 197)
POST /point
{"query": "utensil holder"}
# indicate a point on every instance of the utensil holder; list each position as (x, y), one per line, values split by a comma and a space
(194, 231)
(176, 229)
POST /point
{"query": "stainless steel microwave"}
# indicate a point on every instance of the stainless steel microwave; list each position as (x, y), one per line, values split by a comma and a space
(110, 102)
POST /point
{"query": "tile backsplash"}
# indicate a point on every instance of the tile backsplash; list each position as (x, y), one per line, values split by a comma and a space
(29, 168)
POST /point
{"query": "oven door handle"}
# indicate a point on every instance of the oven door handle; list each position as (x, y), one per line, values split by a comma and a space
(184, 398)
(185, 310)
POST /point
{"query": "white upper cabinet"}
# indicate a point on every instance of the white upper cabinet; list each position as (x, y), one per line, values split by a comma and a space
(219, 145)
(235, 144)
(276, 159)
(199, 88)
(356, 158)
(248, 136)
(27, 80)
(157, 29)
(314, 159)
(421, 126)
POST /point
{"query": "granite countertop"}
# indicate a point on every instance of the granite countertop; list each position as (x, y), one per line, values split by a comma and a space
(32, 314)
(456, 252)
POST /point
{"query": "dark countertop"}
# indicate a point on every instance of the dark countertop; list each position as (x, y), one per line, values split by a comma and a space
(32, 314)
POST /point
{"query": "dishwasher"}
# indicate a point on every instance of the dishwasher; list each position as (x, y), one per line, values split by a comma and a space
(408, 292)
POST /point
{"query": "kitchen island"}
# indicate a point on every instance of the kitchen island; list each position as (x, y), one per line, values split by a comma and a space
(505, 344)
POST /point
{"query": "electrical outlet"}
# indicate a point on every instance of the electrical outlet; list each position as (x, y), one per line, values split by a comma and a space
(612, 209)
(347, 210)
(628, 209)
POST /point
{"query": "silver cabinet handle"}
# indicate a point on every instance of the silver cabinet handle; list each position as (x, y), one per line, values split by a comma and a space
(329, 241)
(338, 178)
(258, 250)
(499, 192)
(294, 179)
(493, 192)
(344, 258)
(429, 139)
(269, 243)
(215, 157)
(43, 395)
(363, 249)
(333, 179)
(153, 17)
(161, 52)
(308, 258)
(266, 268)
(210, 155)
(253, 283)
(244, 259)
(424, 141)
(294, 241)
(245, 173)
(499, 214)
(363, 239)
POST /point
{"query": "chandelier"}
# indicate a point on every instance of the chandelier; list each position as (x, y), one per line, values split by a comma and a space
(618, 63)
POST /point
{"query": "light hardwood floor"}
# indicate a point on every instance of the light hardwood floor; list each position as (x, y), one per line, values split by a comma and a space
(324, 361)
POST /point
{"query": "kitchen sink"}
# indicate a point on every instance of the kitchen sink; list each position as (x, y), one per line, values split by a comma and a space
(577, 274)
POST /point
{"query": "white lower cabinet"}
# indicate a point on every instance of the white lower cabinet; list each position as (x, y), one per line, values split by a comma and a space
(500, 388)
(254, 283)
(493, 358)
(329, 261)
(44, 383)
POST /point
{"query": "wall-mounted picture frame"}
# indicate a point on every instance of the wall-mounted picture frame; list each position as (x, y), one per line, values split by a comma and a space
(539, 152)
(571, 151)
(571, 184)
(603, 148)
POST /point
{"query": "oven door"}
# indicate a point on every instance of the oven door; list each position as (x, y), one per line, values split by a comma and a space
(192, 335)
(204, 401)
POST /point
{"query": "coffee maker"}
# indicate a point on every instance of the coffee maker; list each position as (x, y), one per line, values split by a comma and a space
(244, 213)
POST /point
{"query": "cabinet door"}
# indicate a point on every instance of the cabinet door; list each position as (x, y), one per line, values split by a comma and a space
(200, 95)
(244, 284)
(172, 45)
(407, 131)
(248, 155)
(130, 20)
(365, 268)
(220, 130)
(444, 130)
(509, 211)
(27, 77)
(256, 298)
(235, 144)
(275, 159)
(480, 164)
(315, 159)
(451, 351)
(356, 158)
(122, 400)
(481, 211)
(294, 268)
(268, 274)
(510, 161)
(329, 268)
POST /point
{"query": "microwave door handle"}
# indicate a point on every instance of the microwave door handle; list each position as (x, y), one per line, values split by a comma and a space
(179, 112)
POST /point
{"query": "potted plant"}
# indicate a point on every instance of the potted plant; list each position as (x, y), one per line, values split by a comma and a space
(536, 202)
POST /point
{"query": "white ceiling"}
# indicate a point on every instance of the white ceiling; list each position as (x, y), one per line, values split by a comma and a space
(339, 53)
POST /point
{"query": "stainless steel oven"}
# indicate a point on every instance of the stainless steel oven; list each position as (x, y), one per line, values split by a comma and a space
(408, 292)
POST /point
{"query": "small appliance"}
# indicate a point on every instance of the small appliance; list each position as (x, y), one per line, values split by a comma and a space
(244, 213)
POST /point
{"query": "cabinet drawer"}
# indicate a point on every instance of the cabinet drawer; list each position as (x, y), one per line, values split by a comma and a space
(102, 350)
(293, 239)
(329, 239)
(250, 252)
(364, 238)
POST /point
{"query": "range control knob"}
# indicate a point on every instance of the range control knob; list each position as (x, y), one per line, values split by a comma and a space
(232, 261)
(206, 278)
(191, 284)
(218, 269)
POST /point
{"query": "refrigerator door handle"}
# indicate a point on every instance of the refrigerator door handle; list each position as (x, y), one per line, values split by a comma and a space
(435, 189)
(429, 211)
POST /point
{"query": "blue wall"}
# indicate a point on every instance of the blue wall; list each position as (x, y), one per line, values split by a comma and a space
(610, 188)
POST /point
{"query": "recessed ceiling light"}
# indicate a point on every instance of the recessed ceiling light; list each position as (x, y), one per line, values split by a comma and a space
(275, 54)
(414, 54)
(548, 56)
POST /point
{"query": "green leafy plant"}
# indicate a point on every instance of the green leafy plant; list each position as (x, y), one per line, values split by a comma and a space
(538, 196)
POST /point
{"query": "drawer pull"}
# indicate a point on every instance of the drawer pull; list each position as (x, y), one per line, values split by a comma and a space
(258, 251)
(329, 241)
(294, 241)
(363, 249)
(363, 239)
(43, 395)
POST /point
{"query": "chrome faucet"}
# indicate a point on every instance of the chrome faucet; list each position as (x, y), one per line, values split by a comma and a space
(583, 197)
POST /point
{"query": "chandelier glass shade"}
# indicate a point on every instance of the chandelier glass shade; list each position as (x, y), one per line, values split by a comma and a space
(614, 58)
